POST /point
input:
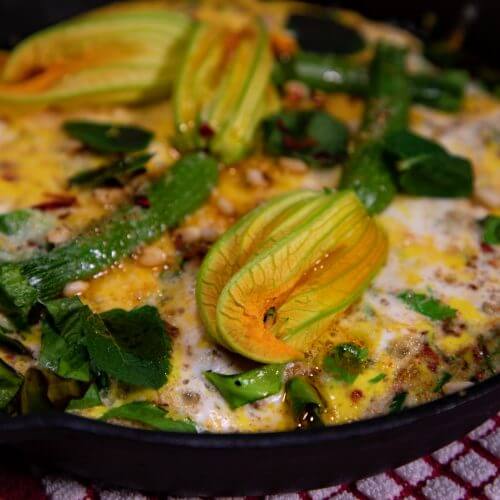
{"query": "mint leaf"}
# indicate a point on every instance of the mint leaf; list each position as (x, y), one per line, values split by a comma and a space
(109, 137)
(10, 383)
(346, 361)
(250, 386)
(491, 229)
(150, 415)
(428, 306)
(90, 399)
(131, 346)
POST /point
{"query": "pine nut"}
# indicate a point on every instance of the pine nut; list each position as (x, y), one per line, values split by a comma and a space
(255, 178)
(225, 206)
(152, 257)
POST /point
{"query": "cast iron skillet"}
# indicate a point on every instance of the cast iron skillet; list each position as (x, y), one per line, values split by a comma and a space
(232, 464)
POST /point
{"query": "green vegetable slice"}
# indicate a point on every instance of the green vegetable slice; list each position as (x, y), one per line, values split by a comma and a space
(491, 229)
(90, 399)
(378, 378)
(10, 383)
(12, 222)
(445, 378)
(428, 306)
(250, 386)
(305, 402)
(118, 171)
(150, 415)
(179, 192)
(398, 402)
(313, 136)
(346, 361)
(109, 137)
(131, 346)
(404, 144)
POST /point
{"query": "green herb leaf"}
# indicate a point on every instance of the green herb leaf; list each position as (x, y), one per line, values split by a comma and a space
(378, 378)
(250, 386)
(109, 137)
(305, 402)
(90, 399)
(34, 397)
(428, 306)
(445, 377)
(63, 339)
(131, 346)
(313, 136)
(491, 229)
(10, 383)
(12, 222)
(398, 402)
(11, 343)
(404, 144)
(150, 415)
(346, 361)
(118, 171)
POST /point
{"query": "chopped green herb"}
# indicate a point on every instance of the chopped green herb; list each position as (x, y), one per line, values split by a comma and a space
(445, 378)
(491, 229)
(304, 402)
(250, 386)
(10, 383)
(313, 136)
(378, 378)
(118, 171)
(11, 343)
(34, 397)
(90, 399)
(109, 137)
(150, 415)
(404, 144)
(398, 402)
(12, 222)
(346, 361)
(428, 306)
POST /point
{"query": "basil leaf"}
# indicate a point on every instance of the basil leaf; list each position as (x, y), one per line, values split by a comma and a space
(9, 342)
(491, 230)
(250, 386)
(10, 383)
(118, 171)
(313, 136)
(305, 402)
(445, 378)
(63, 339)
(428, 306)
(346, 361)
(437, 175)
(34, 397)
(131, 346)
(150, 415)
(398, 402)
(324, 34)
(12, 222)
(378, 378)
(404, 144)
(90, 399)
(109, 137)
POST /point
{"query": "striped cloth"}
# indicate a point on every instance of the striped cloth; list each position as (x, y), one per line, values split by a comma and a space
(465, 469)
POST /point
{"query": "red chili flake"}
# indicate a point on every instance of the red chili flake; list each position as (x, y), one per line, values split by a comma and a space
(485, 247)
(206, 131)
(56, 201)
(142, 201)
(431, 358)
(295, 143)
(8, 176)
(356, 395)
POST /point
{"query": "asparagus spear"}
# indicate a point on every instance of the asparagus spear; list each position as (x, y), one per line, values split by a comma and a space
(177, 193)
(386, 111)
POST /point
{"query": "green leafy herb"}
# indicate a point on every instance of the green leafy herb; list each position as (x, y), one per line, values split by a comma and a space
(378, 378)
(428, 306)
(313, 136)
(491, 229)
(250, 386)
(404, 144)
(118, 171)
(131, 346)
(304, 402)
(63, 339)
(10, 383)
(11, 343)
(34, 397)
(346, 361)
(150, 415)
(398, 402)
(90, 399)
(12, 222)
(109, 137)
(445, 378)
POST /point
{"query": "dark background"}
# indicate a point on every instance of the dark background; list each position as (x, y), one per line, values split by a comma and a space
(19, 18)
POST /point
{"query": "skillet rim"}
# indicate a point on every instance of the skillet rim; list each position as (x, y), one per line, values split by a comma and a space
(11, 426)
